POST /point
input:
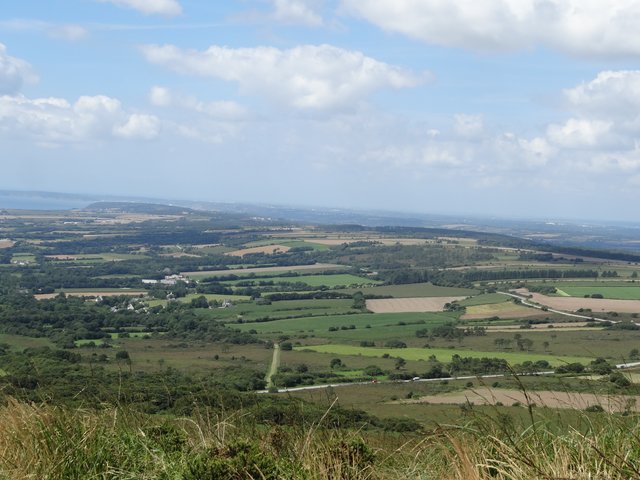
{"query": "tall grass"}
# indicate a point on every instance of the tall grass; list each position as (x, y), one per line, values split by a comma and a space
(51, 443)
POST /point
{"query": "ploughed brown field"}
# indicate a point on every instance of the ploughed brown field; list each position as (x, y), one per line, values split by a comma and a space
(401, 305)
(267, 249)
(6, 243)
(573, 304)
(551, 399)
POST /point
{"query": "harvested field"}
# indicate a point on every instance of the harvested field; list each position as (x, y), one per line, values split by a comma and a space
(400, 305)
(573, 304)
(267, 250)
(551, 399)
(97, 293)
(260, 270)
(6, 243)
(502, 310)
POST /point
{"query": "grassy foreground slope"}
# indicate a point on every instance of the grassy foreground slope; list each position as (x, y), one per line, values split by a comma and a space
(52, 443)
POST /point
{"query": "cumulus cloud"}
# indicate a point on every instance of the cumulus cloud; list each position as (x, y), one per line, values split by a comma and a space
(306, 77)
(56, 121)
(580, 27)
(167, 8)
(14, 72)
(228, 110)
(138, 126)
(611, 93)
(579, 133)
(301, 12)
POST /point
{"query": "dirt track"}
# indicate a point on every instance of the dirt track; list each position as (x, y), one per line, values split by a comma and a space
(401, 305)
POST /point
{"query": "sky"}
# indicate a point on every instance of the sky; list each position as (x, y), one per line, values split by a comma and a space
(513, 108)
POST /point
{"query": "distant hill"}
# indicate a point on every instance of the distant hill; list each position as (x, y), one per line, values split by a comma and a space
(135, 207)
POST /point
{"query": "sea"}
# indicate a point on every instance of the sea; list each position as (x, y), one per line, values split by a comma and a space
(40, 202)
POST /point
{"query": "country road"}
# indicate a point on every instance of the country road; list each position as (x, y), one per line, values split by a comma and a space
(526, 303)
(276, 358)
(275, 363)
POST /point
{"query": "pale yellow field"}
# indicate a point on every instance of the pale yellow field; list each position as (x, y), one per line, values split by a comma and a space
(551, 399)
(572, 304)
(401, 305)
(502, 310)
(6, 243)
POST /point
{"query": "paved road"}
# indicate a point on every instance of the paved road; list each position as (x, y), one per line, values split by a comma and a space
(526, 303)
(524, 300)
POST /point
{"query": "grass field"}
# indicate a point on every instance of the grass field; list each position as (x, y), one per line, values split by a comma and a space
(318, 267)
(612, 292)
(283, 309)
(484, 299)
(288, 243)
(209, 296)
(414, 290)
(441, 354)
(19, 342)
(323, 323)
(96, 257)
(330, 281)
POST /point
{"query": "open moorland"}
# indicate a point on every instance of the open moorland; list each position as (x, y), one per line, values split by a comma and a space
(390, 328)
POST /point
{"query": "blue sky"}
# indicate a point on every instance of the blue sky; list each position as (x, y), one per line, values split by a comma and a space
(518, 108)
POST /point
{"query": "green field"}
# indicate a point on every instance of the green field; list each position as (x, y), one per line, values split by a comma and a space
(361, 320)
(331, 281)
(262, 270)
(441, 354)
(209, 296)
(414, 290)
(287, 242)
(612, 292)
(485, 299)
(20, 342)
(283, 309)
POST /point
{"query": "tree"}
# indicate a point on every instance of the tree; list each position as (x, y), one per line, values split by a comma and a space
(400, 363)
(545, 345)
(336, 363)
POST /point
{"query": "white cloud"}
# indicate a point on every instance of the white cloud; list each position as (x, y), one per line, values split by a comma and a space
(580, 27)
(167, 8)
(14, 72)
(468, 125)
(228, 110)
(611, 93)
(306, 77)
(138, 125)
(579, 133)
(56, 121)
(297, 12)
